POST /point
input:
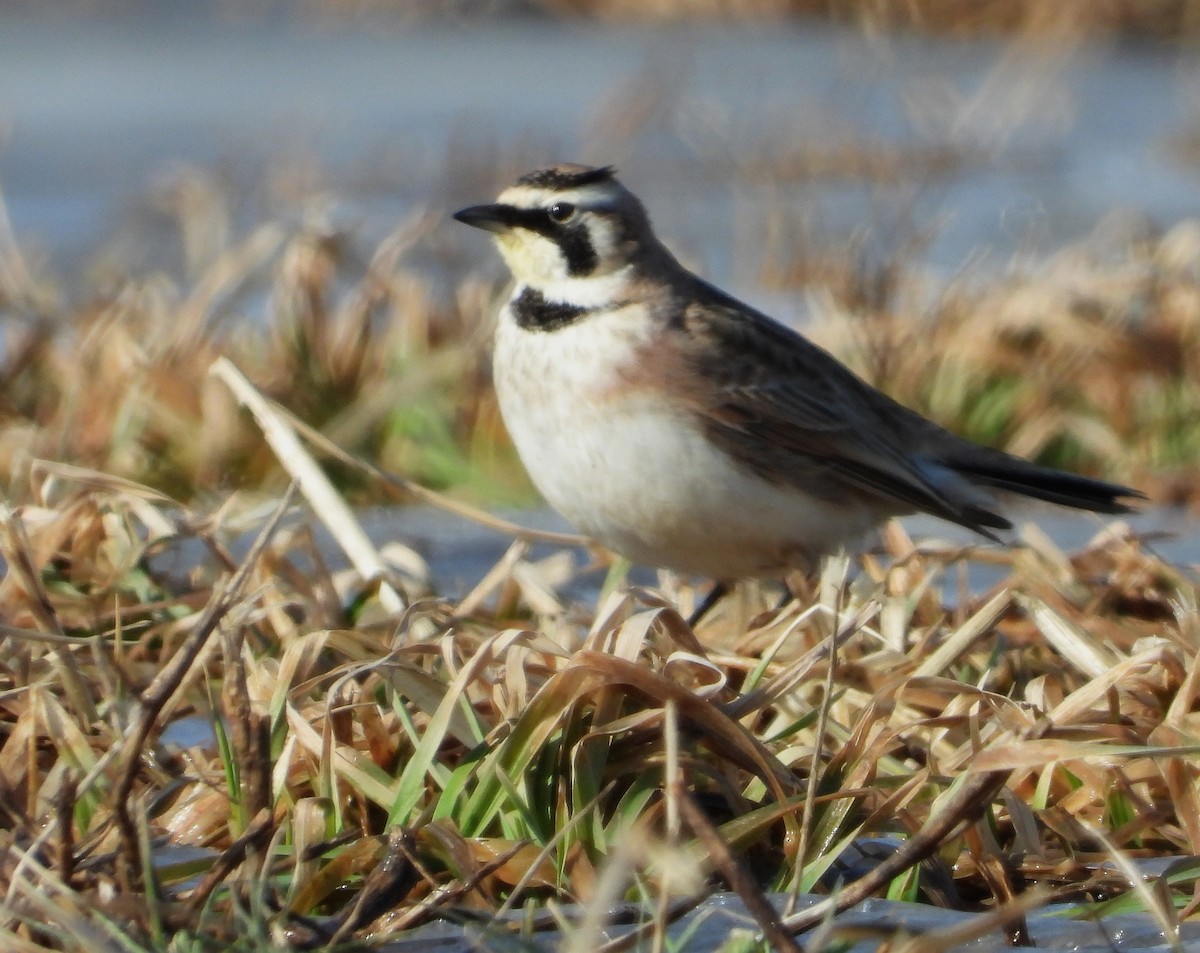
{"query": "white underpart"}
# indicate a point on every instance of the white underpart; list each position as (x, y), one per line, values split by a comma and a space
(638, 474)
(588, 292)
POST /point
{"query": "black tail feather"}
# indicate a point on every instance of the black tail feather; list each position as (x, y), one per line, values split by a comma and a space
(1044, 483)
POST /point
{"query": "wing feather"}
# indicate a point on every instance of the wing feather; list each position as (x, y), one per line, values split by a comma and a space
(795, 415)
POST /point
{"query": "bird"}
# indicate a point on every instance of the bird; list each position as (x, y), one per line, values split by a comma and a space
(683, 429)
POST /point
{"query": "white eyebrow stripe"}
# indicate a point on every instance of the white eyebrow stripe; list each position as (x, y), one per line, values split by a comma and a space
(525, 196)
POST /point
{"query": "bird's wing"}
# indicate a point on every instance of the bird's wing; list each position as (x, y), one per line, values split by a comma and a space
(795, 415)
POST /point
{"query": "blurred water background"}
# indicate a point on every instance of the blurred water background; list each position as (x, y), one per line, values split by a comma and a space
(978, 149)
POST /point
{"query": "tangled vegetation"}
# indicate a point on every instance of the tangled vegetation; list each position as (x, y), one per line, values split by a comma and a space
(371, 757)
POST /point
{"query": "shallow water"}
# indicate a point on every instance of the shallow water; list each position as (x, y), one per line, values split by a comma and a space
(459, 553)
(709, 928)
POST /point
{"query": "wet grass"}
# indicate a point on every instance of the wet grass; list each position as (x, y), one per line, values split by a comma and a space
(374, 765)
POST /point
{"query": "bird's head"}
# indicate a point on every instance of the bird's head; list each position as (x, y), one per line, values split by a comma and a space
(562, 223)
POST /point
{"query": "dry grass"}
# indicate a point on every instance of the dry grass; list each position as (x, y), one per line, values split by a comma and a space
(373, 770)
(112, 374)
(1087, 360)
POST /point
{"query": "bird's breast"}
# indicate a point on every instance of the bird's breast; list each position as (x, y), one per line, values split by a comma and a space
(627, 465)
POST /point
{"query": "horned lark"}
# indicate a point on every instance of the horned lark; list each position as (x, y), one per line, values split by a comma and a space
(684, 429)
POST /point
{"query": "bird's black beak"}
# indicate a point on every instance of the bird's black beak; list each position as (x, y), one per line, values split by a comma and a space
(492, 218)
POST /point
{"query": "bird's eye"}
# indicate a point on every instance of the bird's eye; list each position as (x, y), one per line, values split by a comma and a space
(561, 211)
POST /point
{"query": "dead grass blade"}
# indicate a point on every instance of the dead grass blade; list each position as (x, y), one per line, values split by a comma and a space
(1073, 644)
(965, 635)
(325, 501)
(14, 546)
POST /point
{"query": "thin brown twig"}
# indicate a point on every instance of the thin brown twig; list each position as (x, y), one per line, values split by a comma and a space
(257, 832)
(169, 680)
(962, 808)
(735, 875)
(65, 802)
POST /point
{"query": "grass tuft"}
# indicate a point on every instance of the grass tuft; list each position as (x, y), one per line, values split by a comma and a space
(369, 773)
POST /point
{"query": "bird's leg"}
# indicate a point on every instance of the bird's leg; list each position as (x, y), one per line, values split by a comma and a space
(784, 598)
(718, 592)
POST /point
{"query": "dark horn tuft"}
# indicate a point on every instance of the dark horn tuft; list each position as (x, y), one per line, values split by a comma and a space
(569, 176)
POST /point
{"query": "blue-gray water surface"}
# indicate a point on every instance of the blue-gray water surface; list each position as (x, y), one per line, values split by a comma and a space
(94, 109)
